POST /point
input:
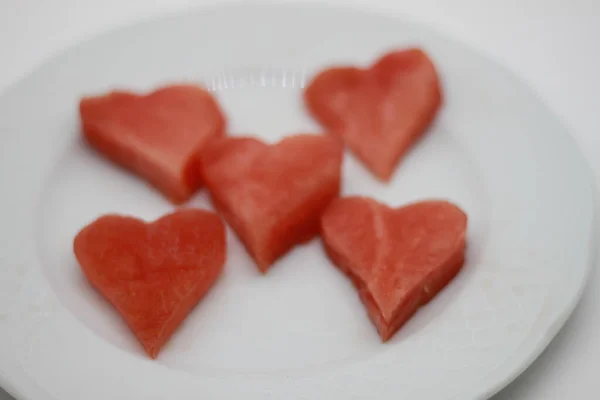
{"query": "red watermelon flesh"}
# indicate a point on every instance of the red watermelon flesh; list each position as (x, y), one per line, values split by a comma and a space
(157, 136)
(273, 195)
(381, 111)
(153, 273)
(398, 259)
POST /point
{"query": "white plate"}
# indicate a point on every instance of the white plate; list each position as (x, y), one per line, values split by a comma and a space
(300, 332)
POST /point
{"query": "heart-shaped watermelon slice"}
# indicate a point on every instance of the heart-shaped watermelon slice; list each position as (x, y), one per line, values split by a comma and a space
(158, 136)
(381, 111)
(273, 195)
(398, 259)
(153, 273)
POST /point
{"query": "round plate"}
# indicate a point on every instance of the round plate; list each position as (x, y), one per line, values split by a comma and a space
(299, 332)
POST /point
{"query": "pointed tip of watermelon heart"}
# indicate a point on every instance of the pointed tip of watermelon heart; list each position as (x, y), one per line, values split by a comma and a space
(385, 337)
(263, 270)
(263, 266)
(384, 176)
(153, 354)
(152, 351)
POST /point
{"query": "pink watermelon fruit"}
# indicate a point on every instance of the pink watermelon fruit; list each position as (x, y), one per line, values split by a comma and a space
(381, 111)
(273, 195)
(398, 259)
(159, 136)
(153, 273)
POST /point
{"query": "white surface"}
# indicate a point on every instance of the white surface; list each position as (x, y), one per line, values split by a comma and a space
(554, 56)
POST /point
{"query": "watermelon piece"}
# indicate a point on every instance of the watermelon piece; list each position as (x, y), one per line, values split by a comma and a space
(158, 136)
(153, 273)
(398, 259)
(381, 111)
(273, 195)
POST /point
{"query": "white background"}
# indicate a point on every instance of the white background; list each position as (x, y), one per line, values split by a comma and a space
(552, 44)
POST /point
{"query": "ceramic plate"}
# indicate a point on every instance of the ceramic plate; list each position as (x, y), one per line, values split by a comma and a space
(299, 332)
